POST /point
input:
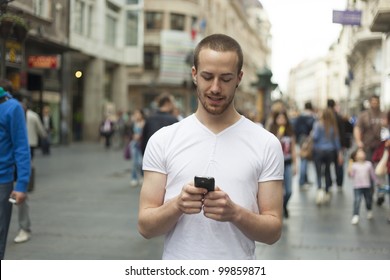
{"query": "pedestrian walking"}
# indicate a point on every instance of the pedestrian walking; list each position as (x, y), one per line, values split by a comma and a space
(282, 128)
(326, 148)
(162, 117)
(361, 171)
(14, 156)
(381, 160)
(107, 129)
(303, 125)
(239, 201)
(367, 133)
(47, 121)
(35, 131)
(135, 147)
(338, 165)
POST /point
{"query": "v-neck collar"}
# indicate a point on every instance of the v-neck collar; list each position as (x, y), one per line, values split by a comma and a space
(241, 119)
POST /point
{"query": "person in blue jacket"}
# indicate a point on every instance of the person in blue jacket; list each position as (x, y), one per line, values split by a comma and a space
(14, 156)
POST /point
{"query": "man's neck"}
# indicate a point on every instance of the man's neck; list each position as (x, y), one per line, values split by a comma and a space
(217, 123)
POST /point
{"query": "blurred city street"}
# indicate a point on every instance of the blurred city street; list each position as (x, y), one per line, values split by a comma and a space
(83, 208)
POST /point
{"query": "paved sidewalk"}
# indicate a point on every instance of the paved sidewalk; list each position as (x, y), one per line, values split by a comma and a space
(84, 208)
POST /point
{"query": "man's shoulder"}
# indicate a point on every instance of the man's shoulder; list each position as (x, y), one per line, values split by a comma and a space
(10, 102)
(304, 116)
(158, 116)
(32, 114)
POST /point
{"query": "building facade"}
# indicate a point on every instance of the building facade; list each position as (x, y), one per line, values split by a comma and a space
(172, 32)
(34, 64)
(356, 66)
(107, 38)
(90, 58)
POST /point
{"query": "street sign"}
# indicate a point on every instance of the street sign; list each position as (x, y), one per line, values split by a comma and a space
(348, 17)
(44, 61)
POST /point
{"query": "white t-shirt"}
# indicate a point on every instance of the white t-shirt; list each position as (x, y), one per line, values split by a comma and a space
(238, 158)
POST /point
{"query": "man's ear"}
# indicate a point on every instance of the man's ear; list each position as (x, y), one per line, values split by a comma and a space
(193, 72)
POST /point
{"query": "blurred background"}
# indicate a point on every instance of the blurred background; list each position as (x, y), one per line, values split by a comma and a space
(86, 59)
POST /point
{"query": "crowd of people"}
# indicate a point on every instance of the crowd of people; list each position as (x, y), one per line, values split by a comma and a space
(353, 149)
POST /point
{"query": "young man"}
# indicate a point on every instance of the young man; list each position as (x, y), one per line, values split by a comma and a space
(163, 117)
(245, 160)
(14, 153)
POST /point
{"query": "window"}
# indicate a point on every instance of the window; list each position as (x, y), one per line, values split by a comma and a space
(111, 23)
(152, 59)
(177, 22)
(42, 8)
(112, 16)
(89, 23)
(79, 16)
(82, 17)
(132, 2)
(154, 20)
(378, 61)
(131, 28)
(194, 22)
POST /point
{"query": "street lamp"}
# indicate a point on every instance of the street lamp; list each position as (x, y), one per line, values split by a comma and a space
(264, 86)
(78, 74)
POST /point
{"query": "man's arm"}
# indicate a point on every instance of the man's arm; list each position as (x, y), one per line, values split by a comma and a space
(21, 153)
(156, 217)
(357, 134)
(263, 227)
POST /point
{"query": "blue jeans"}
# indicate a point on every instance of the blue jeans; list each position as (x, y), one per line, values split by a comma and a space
(287, 184)
(358, 193)
(322, 160)
(136, 155)
(303, 172)
(339, 171)
(5, 214)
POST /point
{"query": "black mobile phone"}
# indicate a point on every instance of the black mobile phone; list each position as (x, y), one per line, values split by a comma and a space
(205, 182)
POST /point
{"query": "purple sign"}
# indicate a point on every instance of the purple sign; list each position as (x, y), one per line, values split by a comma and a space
(348, 17)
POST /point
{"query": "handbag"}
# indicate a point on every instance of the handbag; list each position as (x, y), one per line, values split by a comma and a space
(381, 168)
(306, 150)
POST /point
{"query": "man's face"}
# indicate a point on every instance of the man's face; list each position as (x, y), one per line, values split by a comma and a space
(374, 103)
(216, 79)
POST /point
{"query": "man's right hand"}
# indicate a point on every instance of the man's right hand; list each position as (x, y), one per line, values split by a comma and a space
(20, 197)
(190, 199)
